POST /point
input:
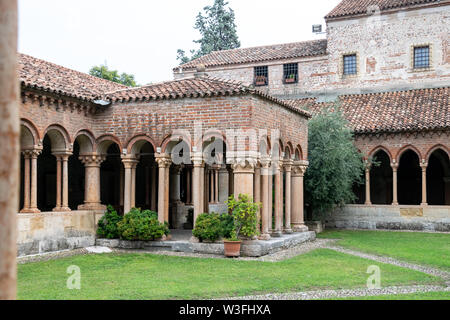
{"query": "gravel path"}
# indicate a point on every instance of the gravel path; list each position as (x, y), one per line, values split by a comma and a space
(383, 259)
(326, 294)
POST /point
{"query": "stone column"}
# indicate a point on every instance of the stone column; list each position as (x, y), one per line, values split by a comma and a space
(223, 184)
(58, 183)
(164, 162)
(287, 205)
(65, 182)
(154, 176)
(203, 191)
(278, 201)
(10, 148)
(133, 184)
(122, 185)
(175, 184)
(270, 222)
(197, 185)
(243, 171)
(368, 201)
(265, 175)
(188, 186)
(26, 182)
(92, 163)
(33, 190)
(394, 166)
(211, 185)
(129, 163)
(216, 185)
(297, 196)
(424, 166)
(257, 190)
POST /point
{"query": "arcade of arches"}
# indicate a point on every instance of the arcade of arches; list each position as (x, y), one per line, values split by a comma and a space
(94, 172)
(407, 179)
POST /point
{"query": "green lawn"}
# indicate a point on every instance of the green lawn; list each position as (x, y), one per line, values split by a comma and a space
(144, 276)
(445, 295)
(423, 248)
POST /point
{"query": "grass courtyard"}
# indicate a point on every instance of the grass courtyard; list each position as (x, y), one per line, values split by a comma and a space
(147, 276)
(431, 249)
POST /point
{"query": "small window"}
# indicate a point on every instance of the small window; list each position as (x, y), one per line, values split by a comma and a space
(290, 73)
(421, 57)
(350, 65)
(261, 76)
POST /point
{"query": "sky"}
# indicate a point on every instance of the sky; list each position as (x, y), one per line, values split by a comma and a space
(141, 37)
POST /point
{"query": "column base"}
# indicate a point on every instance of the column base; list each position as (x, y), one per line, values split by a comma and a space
(56, 209)
(30, 210)
(264, 237)
(288, 231)
(424, 204)
(276, 234)
(300, 228)
(65, 209)
(368, 203)
(92, 206)
(395, 203)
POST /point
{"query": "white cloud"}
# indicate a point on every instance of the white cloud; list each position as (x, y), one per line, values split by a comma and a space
(142, 37)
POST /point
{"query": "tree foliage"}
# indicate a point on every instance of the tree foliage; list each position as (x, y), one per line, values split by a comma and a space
(218, 29)
(335, 164)
(103, 72)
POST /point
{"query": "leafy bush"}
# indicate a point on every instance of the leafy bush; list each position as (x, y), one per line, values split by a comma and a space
(227, 225)
(245, 216)
(142, 225)
(208, 227)
(335, 164)
(107, 226)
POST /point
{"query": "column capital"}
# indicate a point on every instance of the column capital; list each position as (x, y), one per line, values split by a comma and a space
(287, 164)
(266, 162)
(129, 162)
(243, 165)
(299, 170)
(32, 154)
(424, 165)
(163, 160)
(394, 165)
(92, 160)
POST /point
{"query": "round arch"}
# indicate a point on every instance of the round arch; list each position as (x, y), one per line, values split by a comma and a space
(29, 135)
(104, 142)
(136, 143)
(59, 138)
(86, 141)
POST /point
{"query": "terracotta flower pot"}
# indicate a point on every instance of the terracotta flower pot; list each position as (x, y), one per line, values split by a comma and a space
(232, 248)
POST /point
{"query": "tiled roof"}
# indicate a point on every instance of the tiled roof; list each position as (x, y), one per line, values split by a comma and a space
(356, 7)
(192, 88)
(50, 77)
(260, 54)
(399, 111)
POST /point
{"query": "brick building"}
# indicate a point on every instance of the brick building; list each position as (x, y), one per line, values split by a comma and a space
(387, 64)
(169, 147)
(235, 122)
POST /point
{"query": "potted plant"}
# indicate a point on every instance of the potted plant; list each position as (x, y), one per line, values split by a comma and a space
(245, 219)
(290, 78)
(260, 80)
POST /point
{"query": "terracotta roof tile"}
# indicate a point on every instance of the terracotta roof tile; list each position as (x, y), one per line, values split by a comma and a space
(399, 111)
(260, 54)
(349, 8)
(193, 88)
(48, 76)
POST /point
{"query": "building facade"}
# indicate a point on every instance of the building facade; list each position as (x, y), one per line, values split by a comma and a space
(386, 64)
(175, 147)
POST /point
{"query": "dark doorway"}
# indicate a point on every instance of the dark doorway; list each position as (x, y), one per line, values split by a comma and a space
(438, 186)
(381, 179)
(409, 179)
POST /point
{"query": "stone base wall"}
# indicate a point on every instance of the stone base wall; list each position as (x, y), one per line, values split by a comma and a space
(56, 231)
(428, 218)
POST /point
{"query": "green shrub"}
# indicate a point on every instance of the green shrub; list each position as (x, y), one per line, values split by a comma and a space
(208, 227)
(227, 225)
(107, 226)
(141, 225)
(245, 216)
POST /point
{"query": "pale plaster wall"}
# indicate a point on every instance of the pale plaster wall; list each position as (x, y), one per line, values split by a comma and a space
(55, 231)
